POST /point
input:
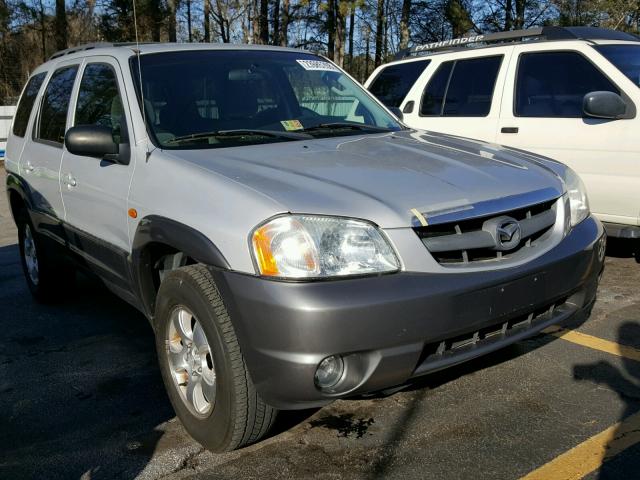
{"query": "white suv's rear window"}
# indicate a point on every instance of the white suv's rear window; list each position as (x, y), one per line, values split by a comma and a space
(393, 83)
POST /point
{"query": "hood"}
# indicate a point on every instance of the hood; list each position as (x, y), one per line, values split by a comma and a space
(391, 179)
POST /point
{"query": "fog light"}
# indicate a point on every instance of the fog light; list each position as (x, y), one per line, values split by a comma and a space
(329, 372)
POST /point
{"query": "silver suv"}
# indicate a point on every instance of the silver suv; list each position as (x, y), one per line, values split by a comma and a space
(290, 241)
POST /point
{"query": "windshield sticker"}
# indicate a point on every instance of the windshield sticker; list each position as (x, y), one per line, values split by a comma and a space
(291, 125)
(318, 65)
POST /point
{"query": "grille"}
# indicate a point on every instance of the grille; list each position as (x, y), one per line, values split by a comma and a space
(470, 241)
(454, 346)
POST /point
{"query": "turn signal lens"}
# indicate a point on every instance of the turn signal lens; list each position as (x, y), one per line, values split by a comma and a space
(283, 248)
(578, 200)
(315, 246)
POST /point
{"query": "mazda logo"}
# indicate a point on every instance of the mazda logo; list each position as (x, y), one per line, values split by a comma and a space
(508, 234)
(505, 231)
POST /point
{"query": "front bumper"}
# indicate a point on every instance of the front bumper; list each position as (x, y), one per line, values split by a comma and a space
(391, 328)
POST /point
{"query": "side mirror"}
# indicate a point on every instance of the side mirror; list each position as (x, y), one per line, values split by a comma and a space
(397, 112)
(92, 141)
(607, 105)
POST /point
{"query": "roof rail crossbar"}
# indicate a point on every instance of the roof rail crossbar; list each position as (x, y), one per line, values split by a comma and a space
(91, 46)
(539, 33)
(462, 41)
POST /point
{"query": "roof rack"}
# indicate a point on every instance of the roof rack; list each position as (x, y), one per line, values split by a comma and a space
(531, 34)
(91, 46)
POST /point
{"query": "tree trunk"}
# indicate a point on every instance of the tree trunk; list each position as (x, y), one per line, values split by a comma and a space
(153, 14)
(43, 31)
(172, 6)
(284, 24)
(255, 22)
(206, 19)
(341, 24)
(458, 17)
(379, 33)
(520, 10)
(61, 25)
(352, 20)
(508, 15)
(331, 29)
(276, 22)
(404, 24)
(264, 22)
(189, 20)
(366, 55)
(246, 21)
(385, 38)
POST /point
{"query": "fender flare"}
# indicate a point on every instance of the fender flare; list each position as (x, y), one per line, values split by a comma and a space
(162, 230)
(17, 184)
(157, 229)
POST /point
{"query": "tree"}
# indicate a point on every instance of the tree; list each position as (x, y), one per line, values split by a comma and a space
(172, 7)
(459, 17)
(61, 25)
(404, 24)
(206, 18)
(283, 40)
(264, 22)
(189, 29)
(379, 33)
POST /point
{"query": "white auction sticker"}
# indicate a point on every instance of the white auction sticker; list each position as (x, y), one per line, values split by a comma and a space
(318, 65)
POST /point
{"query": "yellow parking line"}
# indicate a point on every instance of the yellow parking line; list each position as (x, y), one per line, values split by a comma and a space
(592, 453)
(594, 342)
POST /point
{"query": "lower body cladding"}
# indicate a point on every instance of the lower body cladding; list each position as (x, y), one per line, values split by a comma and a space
(382, 331)
(622, 231)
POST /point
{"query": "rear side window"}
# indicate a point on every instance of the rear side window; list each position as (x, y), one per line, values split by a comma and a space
(433, 97)
(463, 88)
(553, 84)
(26, 104)
(99, 101)
(53, 114)
(470, 91)
(394, 82)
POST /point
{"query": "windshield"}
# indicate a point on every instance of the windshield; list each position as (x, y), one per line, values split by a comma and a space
(212, 99)
(625, 57)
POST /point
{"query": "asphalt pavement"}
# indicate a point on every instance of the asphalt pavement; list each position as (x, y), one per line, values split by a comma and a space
(81, 397)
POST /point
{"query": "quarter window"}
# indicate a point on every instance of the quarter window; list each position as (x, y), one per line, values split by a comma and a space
(393, 83)
(26, 104)
(462, 88)
(53, 114)
(99, 101)
(553, 84)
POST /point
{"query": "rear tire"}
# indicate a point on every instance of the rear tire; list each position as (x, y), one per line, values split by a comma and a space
(47, 279)
(202, 366)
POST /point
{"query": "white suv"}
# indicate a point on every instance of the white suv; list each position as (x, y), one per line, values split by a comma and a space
(567, 93)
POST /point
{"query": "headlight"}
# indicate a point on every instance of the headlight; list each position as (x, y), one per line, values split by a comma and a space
(578, 201)
(309, 246)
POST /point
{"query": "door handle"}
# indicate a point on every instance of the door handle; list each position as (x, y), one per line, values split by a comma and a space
(69, 181)
(29, 168)
(509, 130)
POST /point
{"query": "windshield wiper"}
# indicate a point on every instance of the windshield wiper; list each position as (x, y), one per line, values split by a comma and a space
(240, 132)
(344, 125)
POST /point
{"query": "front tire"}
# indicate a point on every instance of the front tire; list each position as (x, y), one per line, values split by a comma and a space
(202, 366)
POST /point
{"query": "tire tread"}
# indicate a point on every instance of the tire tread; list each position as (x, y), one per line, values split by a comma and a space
(253, 417)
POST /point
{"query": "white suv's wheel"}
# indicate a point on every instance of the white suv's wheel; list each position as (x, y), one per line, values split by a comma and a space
(202, 366)
(47, 279)
(30, 255)
(191, 362)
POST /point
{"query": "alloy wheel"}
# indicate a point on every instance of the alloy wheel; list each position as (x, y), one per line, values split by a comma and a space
(191, 362)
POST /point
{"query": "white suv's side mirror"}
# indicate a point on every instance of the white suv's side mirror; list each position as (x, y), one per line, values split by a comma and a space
(607, 105)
